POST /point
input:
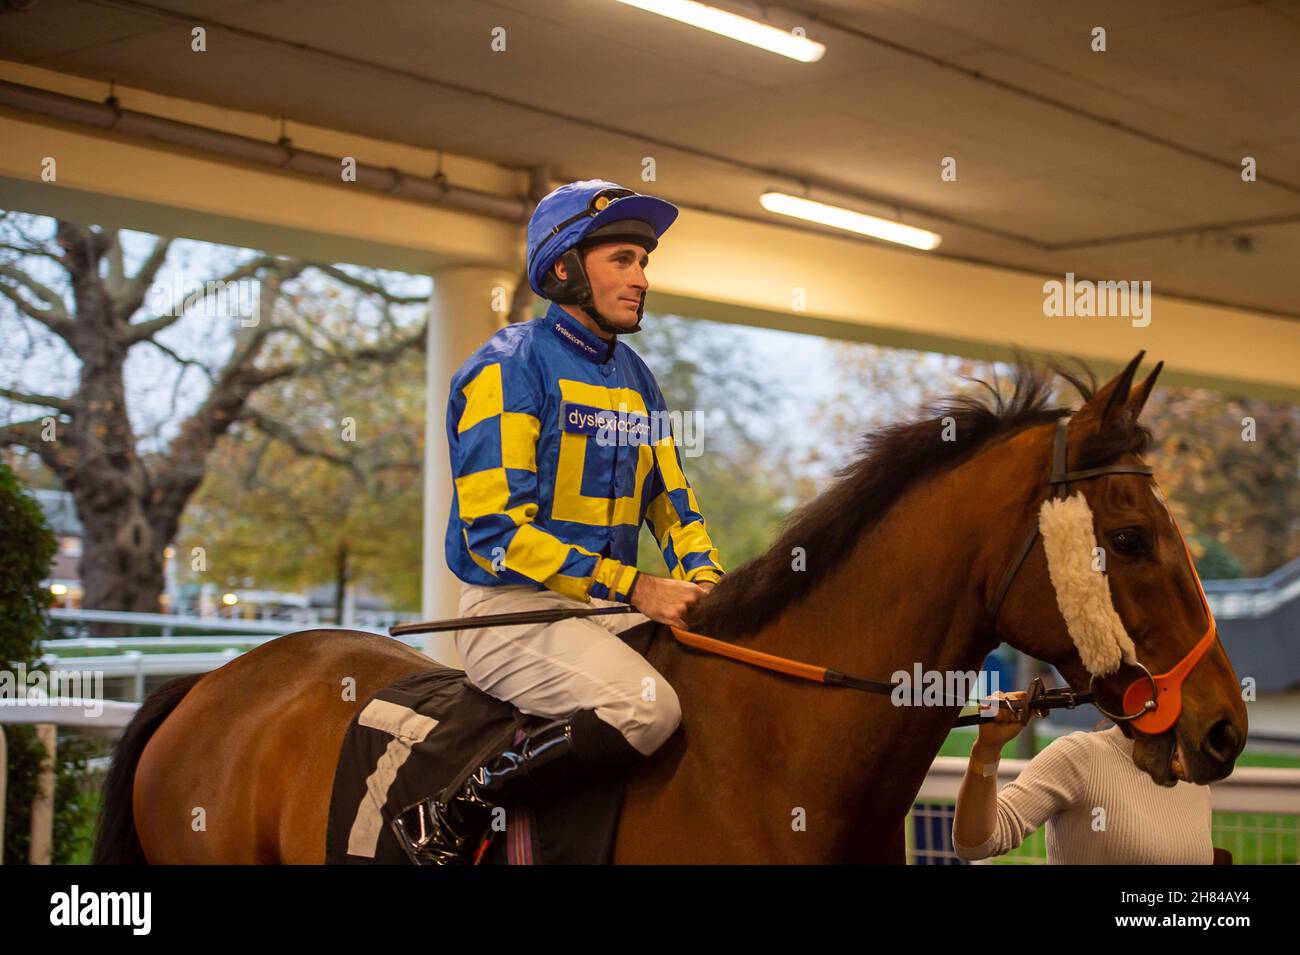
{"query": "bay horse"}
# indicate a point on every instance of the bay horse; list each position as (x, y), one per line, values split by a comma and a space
(901, 559)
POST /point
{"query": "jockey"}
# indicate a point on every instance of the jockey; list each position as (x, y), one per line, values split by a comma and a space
(560, 451)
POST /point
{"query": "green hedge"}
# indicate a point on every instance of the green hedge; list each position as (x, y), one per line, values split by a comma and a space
(26, 552)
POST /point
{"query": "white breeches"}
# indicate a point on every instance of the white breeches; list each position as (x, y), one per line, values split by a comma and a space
(577, 663)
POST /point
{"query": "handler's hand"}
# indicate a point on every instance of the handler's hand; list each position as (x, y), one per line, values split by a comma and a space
(665, 600)
(1005, 726)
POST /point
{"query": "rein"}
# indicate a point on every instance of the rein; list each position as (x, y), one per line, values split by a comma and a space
(1152, 712)
(1046, 699)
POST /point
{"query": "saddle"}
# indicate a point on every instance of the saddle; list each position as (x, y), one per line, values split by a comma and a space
(425, 734)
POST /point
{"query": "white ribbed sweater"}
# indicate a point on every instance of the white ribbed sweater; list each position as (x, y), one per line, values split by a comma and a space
(1099, 808)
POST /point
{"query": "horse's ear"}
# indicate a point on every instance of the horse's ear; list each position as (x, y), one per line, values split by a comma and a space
(1143, 392)
(1112, 397)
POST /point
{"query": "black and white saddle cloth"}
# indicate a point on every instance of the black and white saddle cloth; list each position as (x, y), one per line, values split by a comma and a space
(423, 736)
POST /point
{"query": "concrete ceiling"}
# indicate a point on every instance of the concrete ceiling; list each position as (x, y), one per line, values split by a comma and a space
(1123, 164)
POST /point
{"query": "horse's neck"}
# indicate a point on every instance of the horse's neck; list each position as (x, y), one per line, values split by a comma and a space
(914, 591)
(911, 591)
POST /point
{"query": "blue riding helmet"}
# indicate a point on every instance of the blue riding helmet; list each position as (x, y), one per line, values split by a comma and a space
(577, 216)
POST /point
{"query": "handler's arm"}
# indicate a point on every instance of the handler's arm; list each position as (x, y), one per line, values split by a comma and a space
(988, 822)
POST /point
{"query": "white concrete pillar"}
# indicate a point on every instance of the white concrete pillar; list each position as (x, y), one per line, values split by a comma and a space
(469, 304)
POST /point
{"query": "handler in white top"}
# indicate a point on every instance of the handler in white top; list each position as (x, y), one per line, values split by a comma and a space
(1099, 808)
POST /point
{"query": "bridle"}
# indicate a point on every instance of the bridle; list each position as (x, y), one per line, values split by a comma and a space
(1151, 703)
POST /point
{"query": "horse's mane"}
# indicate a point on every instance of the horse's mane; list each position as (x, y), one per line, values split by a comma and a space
(889, 462)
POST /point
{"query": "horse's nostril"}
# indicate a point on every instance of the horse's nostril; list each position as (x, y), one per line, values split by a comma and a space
(1222, 742)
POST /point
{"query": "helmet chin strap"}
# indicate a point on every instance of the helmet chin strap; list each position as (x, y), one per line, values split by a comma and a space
(602, 323)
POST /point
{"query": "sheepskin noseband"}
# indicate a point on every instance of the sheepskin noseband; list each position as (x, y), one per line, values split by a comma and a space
(1082, 593)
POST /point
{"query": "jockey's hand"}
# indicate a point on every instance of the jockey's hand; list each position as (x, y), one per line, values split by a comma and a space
(665, 600)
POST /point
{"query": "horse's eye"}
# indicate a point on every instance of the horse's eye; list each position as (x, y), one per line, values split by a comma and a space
(1128, 541)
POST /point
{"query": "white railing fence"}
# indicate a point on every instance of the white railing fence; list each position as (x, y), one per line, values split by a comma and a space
(47, 714)
(78, 621)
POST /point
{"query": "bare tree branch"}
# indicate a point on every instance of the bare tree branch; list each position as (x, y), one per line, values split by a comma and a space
(60, 456)
(27, 434)
(255, 463)
(145, 330)
(181, 469)
(417, 340)
(51, 298)
(49, 401)
(179, 360)
(381, 353)
(250, 341)
(132, 297)
(282, 432)
(34, 250)
(258, 377)
(115, 280)
(13, 224)
(84, 246)
(56, 321)
(370, 287)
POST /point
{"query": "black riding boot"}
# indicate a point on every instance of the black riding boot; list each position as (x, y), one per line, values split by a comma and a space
(564, 752)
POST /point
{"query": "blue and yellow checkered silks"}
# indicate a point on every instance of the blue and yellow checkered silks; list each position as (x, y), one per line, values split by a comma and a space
(558, 459)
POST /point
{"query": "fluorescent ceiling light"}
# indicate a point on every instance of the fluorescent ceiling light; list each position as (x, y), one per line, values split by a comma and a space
(849, 220)
(738, 28)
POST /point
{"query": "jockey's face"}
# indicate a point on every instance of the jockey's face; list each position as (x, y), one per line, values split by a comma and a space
(617, 274)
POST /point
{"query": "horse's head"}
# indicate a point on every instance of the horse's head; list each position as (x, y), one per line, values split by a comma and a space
(1101, 615)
